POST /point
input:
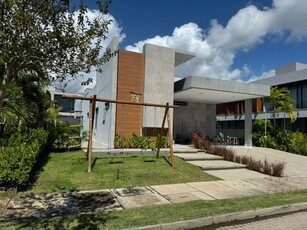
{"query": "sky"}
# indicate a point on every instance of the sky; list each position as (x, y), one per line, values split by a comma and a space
(240, 40)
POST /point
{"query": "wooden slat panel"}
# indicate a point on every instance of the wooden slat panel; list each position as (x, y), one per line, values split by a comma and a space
(130, 78)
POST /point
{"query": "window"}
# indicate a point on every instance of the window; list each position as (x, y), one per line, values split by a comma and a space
(293, 93)
(66, 104)
(304, 96)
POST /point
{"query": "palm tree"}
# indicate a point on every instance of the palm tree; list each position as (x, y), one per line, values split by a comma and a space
(52, 114)
(282, 101)
(15, 112)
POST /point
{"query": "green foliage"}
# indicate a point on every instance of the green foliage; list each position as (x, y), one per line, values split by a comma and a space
(282, 101)
(63, 136)
(298, 143)
(139, 142)
(15, 113)
(19, 156)
(51, 37)
(259, 127)
(267, 141)
(16, 163)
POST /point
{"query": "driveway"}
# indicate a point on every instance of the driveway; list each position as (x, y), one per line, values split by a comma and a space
(296, 165)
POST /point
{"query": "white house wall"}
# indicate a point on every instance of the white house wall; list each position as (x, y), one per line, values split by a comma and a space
(195, 117)
(158, 82)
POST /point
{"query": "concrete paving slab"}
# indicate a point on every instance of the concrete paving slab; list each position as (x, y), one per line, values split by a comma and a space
(274, 185)
(230, 174)
(198, 156)
(173, 188)
(141, 200)
(203, 196)
(299, 182)
(132, 191)
(217, 190)
(181, 197)
(215, 165)
(246, 187)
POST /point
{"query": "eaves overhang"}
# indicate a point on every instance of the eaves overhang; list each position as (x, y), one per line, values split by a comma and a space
(215, 91)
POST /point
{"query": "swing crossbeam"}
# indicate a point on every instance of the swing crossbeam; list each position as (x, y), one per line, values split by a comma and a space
(94, 99)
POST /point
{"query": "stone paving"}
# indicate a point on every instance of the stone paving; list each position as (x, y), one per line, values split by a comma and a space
(56, 204)
(295, 221)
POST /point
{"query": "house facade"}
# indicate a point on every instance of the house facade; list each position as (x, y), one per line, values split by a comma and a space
(68, 113)
(149, 77)
(293, 77)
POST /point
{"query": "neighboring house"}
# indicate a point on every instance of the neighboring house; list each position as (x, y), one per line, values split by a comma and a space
(149, 77)
(69, 114)
(292, 76)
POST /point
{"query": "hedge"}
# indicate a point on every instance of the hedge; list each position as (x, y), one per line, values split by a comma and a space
(19, 156)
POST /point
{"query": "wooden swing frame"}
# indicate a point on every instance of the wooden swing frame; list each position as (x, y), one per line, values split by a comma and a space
(92, 106)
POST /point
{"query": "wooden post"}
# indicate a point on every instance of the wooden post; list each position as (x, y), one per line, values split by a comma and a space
(90, 141)
(170, 139)
(162, 130)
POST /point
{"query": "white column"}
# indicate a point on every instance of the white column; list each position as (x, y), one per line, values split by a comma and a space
(248, 123)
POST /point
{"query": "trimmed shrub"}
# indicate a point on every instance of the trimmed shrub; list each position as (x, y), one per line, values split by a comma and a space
(205, 144)
(278, 169)
(255, 165)
(245, 160)
(238, 159)
(139, 142)
(266, 167)
(18, 158)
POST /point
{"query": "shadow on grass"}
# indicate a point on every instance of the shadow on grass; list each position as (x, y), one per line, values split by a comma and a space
(36, 171)
(94, 162)
(83, 221)
(167, 160)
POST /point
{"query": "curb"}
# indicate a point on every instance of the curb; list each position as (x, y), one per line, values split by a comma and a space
(220, 219)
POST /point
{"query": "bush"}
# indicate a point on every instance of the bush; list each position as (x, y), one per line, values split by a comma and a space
(59, 137)
(284, 141)
(278, 168)
(255, 165)
(245, 160)
(205, 144)
(267, 142)
(18, 158)
(139, 142)
(266, 167)
(298, 143)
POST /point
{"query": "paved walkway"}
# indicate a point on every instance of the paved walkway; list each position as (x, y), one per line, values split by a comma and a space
(295, 164)
(242, 183)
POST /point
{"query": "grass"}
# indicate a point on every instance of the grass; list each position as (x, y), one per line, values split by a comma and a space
(68, 171)
(159, 214)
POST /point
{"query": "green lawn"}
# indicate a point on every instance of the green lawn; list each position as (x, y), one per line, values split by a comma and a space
(158, 214)
(68, 171)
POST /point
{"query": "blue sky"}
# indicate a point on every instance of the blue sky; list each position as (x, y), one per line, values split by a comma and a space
(240, 40)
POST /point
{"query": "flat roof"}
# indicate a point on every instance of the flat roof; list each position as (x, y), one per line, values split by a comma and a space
(215, 91)
(182, 57)
(285, 78)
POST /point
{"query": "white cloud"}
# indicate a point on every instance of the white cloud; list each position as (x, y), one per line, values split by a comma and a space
(217, 46)
(74, 85)
(265, 74)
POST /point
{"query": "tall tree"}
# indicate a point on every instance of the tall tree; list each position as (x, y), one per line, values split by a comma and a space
(51, 37)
